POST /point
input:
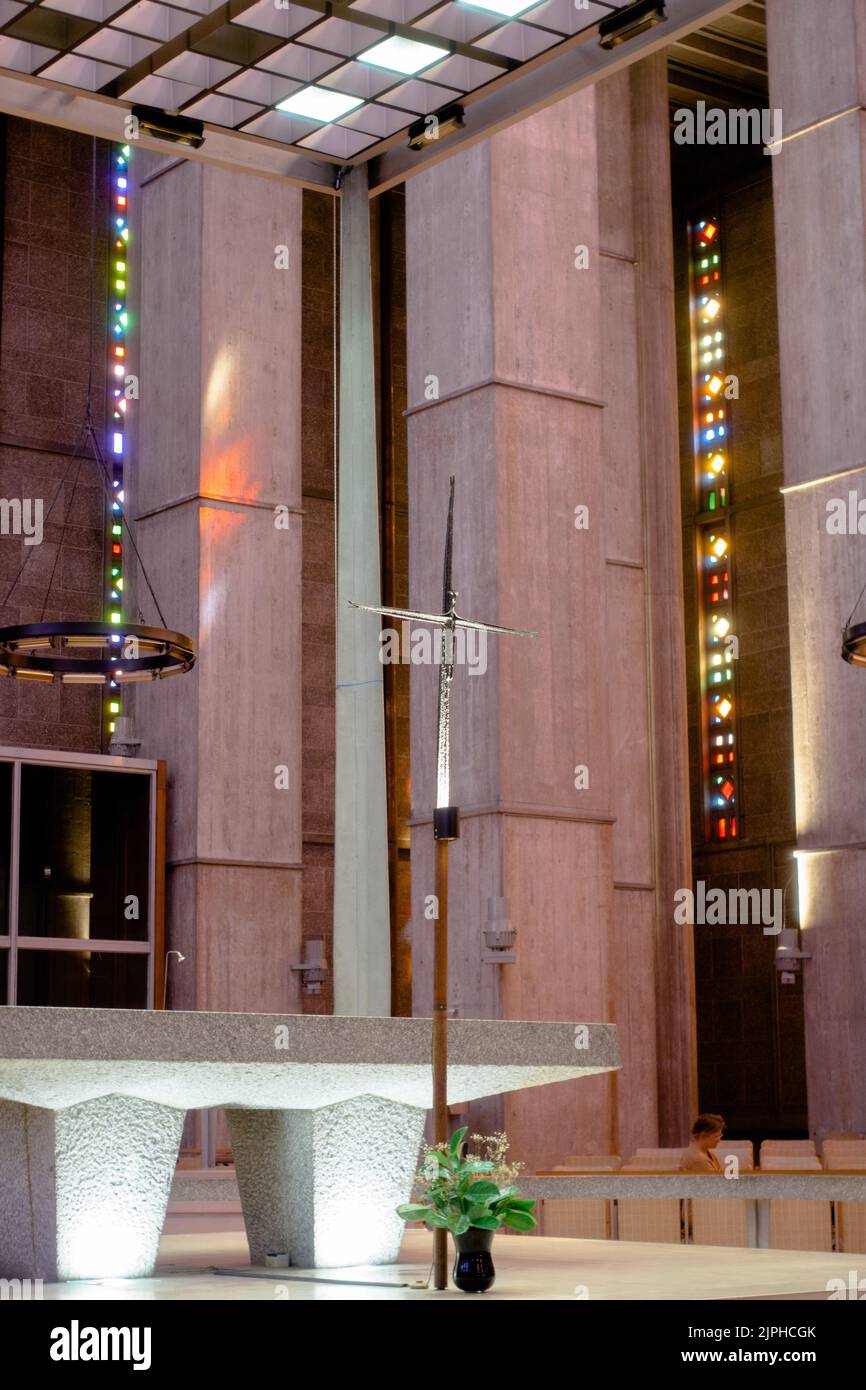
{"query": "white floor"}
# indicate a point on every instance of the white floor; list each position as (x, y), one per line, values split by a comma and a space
(526, 1268)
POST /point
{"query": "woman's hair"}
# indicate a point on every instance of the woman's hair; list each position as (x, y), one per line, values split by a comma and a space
(707, 1124)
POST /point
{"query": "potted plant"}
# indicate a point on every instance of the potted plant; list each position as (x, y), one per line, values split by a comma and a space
(471, 1195)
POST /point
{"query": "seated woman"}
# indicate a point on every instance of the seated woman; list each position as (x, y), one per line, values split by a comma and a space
(707, 1130)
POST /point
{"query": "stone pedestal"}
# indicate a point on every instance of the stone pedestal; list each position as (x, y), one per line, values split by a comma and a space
(84, 1191)
(323, 1185)
(327, 1116)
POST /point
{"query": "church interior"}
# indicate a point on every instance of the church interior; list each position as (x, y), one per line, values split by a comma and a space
(293, 296)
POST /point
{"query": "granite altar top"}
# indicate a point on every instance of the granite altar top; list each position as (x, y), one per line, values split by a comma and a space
(57, 1057)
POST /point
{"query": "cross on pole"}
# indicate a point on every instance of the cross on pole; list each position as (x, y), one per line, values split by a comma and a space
(446, 827)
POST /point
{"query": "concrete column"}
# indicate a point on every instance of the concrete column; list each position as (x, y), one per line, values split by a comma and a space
(817, 71)
(362, 933)
(324, 1184)
(542, 372)
(215, 488)
(84, 1191)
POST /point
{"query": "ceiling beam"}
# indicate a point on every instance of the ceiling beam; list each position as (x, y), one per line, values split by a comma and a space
(37, 99)
(577, 63)
(574, 65)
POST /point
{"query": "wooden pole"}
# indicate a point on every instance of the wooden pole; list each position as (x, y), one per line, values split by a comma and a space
(440, 1042)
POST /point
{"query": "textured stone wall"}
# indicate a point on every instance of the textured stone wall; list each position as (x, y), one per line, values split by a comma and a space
(44, 347)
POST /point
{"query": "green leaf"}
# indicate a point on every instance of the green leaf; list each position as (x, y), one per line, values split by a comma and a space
(435, 1218)
(521, 1203)
(457, 1139)
(483, 1189)
(478, 1165)
(487, 1223)
(519, 1220)
(475, 1213)
(411, 1211)
(462, 1225)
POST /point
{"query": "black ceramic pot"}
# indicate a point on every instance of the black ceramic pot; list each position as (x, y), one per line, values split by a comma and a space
(473, 1268)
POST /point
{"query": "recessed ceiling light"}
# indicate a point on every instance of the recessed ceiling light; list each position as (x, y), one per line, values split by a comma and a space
(507, 8)
(319, 104)
(402, 55)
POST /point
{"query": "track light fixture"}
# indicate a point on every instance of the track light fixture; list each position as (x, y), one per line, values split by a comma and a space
(627, 23)
(176, 130)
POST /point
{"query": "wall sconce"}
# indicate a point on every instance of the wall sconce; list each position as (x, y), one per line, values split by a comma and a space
(313, 968)
(789, 955)
(499, 935)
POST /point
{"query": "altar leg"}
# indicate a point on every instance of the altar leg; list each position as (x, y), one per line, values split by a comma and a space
(324, 1184)
(84, 1190)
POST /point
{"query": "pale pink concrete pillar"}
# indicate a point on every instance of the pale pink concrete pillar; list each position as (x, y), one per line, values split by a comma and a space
(215, 494)
(818, 79)
(531, 330)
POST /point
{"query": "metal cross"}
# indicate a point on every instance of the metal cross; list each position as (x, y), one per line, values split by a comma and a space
(446, 827)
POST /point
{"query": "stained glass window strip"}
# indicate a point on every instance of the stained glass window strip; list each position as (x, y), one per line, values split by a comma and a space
(713, 457)
(119, 404)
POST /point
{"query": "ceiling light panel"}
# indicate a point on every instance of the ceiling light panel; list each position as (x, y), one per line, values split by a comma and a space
(319, 104)
(405, 56)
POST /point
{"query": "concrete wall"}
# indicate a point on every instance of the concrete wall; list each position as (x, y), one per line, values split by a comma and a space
(218, 450)
(536, 363)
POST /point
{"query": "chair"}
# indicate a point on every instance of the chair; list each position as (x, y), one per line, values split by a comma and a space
(850, 1216)
(797, 1225)
(651, 1219)
(588, 1218)
(715, 1222)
